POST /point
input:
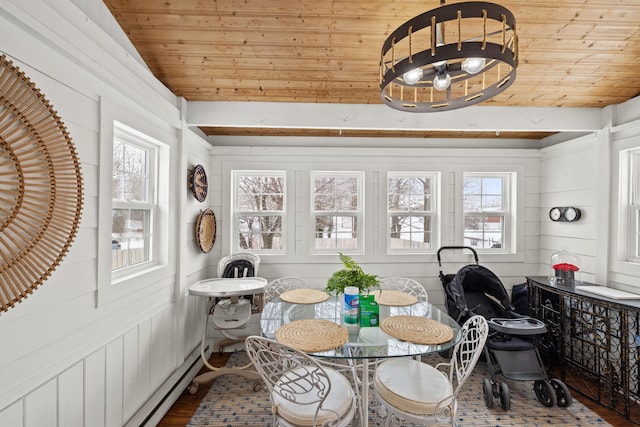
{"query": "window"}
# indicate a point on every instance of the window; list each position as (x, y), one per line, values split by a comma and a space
(133, 200)
(259, 210)
(634, 206)
(337, 211)
(486, 206)
(137, 230)
(411, 210)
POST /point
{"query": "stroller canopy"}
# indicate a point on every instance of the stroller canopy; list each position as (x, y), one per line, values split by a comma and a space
(477, 290)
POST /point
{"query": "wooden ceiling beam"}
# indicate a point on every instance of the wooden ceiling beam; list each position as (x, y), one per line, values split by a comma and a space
(354, 133)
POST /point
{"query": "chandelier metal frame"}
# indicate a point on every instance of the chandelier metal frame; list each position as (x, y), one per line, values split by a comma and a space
(478, 31)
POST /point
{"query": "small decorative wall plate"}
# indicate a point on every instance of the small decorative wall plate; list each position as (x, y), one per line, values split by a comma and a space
(206, 230)
(198, 183)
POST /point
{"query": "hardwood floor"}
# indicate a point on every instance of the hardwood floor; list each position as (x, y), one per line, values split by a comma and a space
(186, 405)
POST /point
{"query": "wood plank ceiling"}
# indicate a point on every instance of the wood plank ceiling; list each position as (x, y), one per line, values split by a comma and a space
(573, 53)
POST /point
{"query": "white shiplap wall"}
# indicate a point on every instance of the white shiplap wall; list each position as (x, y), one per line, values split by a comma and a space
(68, 359)
(570, 175)
(585, 173)
(298, 161)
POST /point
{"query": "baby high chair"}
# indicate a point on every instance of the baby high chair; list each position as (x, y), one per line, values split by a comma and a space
(231, 300)
(231, 315)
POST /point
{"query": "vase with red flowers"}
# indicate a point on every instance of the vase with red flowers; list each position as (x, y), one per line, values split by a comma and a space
(564, 266)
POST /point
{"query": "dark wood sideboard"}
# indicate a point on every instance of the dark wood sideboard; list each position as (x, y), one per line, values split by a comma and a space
(593, 343)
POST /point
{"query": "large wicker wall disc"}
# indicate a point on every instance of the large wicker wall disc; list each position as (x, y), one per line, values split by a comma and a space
(40, 187)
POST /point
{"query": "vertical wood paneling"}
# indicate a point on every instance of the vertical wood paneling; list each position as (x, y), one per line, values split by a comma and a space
(41, 406)
(192, 328)
(143, 370)
(114, 384)
(95, 388)
(162, 348)
(130, 389)
(71, 396)
(12, 416)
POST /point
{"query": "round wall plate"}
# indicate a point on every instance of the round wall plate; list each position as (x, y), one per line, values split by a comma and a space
(198, 183)
(206, 230)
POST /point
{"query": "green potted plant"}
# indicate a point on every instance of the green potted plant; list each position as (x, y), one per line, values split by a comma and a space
(351, 275)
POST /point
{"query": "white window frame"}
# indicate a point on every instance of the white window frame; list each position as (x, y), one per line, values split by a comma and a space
(433, 212)
(138, 140)
(509, 193)
(236, 213)
(358, 214)
(623, 266)
(162, 272)
(630, 205)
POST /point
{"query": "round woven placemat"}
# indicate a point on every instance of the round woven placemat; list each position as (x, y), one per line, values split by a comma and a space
(312, 335)
(419, 330)
(304, 296)
(393, 298)
(206, 230)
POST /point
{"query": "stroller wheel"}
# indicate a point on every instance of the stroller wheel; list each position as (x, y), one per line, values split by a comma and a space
(487, 391)
(505, 396)
(563, 396)
(545, 393)
(446, 354)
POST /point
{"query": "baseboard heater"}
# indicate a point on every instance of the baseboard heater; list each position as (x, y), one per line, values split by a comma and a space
(150, 414)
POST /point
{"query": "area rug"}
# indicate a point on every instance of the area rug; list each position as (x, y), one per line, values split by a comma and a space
(232, 401)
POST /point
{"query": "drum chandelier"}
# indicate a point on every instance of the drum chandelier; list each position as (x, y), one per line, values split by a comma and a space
(449, 57)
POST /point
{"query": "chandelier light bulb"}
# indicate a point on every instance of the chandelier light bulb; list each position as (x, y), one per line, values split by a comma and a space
(473, 65)
(412, 77)
(442, 81)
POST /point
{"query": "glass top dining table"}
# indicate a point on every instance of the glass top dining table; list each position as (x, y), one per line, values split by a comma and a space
(364, 343)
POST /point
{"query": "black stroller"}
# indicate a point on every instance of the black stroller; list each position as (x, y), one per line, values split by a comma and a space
(511, 348)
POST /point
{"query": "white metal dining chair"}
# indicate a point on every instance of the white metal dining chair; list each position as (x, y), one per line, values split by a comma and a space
(302, 392)
(414, 391)
(404, 284)
(283, 284)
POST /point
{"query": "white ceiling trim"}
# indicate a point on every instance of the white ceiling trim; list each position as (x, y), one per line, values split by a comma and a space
(283, 115)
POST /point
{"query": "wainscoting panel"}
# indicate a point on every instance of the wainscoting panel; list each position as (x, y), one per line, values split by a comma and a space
(12, 416)
(71, 396)
(95, 390)
(40, 406)
(114, 382)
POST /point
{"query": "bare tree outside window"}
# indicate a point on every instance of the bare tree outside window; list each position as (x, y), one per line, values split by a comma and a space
(260, 206)
(411, 207)
(337, 210)
(132, 200)
(485, 203)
